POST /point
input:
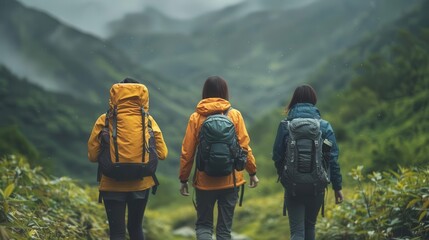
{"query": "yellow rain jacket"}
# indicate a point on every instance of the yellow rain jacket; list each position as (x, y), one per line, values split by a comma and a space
(129, 98)
(205, 108)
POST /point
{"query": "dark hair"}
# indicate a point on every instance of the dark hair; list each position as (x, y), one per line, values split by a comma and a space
(129, 80)
(303, 94)
(215, 86)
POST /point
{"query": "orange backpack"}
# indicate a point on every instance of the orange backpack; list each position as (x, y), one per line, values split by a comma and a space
(132, 155)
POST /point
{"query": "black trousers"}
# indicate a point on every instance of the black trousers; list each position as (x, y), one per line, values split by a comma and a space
(115, 210)
(226, 200)
(303, 213)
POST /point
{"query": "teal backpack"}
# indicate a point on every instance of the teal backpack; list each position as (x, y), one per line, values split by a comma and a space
(219, 152)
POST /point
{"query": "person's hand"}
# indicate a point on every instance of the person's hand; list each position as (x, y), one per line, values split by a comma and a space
(338, 197)
(253, 181)
(184, 189)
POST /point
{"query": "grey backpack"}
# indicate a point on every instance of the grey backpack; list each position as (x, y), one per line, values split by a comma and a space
(305, 170)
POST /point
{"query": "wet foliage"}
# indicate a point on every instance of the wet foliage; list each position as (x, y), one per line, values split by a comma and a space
(34, 205)
(384, 205)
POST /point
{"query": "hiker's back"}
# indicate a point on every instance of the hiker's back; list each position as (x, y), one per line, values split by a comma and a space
(305, 170)
(218, 150)
(191, 145)
(128, 148)
(298, 155)
(126, 142)
(215, 132)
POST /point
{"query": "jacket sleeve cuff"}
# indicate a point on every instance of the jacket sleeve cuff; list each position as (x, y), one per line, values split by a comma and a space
(252, 174)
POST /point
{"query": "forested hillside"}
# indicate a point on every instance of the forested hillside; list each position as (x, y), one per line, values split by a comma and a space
(59, 58)
(373, 88)
(262, 47)
(54, 58)
(380, 113)
(55, 124)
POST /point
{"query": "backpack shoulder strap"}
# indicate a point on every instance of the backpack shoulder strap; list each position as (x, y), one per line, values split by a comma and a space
(144, 115)
(227, 111)
(106, 126)
(115, 132)
(106, 119)
(289, 131)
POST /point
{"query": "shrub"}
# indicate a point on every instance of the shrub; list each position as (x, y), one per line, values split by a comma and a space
(386, 205)
(36, 206)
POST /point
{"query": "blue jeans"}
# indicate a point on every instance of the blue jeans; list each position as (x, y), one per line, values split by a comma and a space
(226, 201)
(302, 212)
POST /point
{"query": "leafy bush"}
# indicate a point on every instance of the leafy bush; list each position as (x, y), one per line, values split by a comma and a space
(36, 206)
(386, 205)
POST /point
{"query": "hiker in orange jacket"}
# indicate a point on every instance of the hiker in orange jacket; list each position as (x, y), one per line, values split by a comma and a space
(211, 189)
(129, 96)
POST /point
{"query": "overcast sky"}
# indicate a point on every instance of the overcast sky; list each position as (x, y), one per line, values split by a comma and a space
(93, 15)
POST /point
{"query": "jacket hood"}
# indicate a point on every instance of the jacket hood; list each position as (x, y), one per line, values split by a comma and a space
(129, 94)
(210, 106)
(303, 110)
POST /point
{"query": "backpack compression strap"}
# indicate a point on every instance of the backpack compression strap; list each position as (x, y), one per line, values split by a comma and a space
(149, 124)
(145, 146)
(144, 133)
(115, 132)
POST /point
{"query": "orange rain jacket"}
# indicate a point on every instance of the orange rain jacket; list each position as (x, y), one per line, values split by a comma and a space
(205, 108)
(129, 98)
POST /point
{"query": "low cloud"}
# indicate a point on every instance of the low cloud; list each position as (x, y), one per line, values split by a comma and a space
(92, 16)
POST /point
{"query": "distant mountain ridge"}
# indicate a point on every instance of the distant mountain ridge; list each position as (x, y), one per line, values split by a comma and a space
(262, 55)
(73, 62)
(59, 60)
(58, 54)
(152, 20)
(266, 50)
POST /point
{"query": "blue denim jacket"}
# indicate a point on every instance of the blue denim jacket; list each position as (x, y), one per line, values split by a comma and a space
(307, 110)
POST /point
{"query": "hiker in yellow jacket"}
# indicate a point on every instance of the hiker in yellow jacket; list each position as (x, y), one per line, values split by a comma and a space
(208, 189)
(129, 96)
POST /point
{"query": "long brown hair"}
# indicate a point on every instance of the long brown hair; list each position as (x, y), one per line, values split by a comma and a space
(303, 94)
(215, 87)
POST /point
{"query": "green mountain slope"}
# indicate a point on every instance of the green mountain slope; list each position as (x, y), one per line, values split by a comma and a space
(63, 59)
(55, 124)
(264, 51)
(374, 94)
(380, 114)
(60, 59)
(383, 110)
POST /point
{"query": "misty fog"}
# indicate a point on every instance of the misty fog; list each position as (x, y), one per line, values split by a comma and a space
(92, 16)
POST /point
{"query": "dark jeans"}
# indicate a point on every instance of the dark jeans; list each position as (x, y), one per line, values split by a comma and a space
(226, 201)
(115, 209)
(302, 212)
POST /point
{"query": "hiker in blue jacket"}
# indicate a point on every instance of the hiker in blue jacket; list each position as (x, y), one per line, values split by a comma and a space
(303, 211)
